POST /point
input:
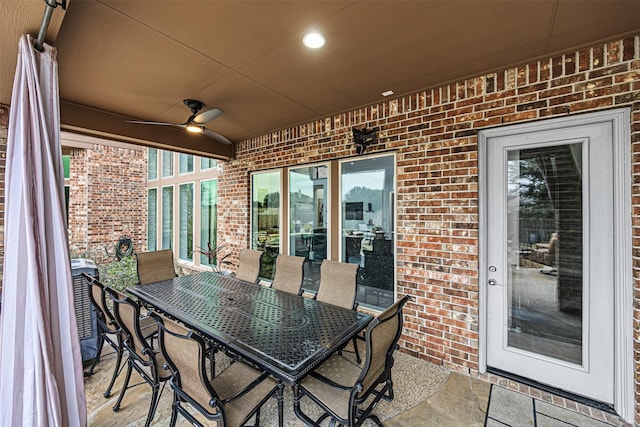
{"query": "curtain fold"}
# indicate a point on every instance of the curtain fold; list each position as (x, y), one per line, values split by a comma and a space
(41, 378)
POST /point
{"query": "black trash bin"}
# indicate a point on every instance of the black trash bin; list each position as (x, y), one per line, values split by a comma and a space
(85, 314)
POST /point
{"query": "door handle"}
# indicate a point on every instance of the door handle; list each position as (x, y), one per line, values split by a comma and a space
(493, 282)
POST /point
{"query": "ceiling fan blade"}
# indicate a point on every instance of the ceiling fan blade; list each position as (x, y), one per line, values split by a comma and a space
(142, 122)
(206, 116)
(216, 136)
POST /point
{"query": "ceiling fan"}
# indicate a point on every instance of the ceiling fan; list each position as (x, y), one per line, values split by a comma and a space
(195, 123)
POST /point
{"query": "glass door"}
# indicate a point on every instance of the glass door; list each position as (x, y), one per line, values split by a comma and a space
(308, 237)
(550, 275)
(367, 232)
(265, 219)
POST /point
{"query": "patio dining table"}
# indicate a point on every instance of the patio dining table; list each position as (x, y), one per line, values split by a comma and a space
(285, 334)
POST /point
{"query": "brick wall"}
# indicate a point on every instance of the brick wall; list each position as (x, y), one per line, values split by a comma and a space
(107, 198)
(114, 176)
(434, 133)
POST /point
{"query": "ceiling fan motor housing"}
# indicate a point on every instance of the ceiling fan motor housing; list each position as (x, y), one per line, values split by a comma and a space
(194, 105)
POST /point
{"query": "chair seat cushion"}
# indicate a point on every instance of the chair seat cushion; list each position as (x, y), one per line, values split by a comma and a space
(341, 371)
(230, 382)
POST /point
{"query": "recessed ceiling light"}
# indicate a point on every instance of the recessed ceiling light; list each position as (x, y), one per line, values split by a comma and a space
(313, 40)
(387, 93)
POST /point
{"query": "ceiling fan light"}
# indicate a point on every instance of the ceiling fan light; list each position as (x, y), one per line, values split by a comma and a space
(194, 128)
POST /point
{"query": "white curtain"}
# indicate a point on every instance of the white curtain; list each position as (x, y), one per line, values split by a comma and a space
(41, 379)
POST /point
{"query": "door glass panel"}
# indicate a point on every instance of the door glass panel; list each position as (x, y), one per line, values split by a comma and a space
(368, 226)
(209, 221)
(545, 251)
(152, 219)
(185, 219)
(167, 218)
(265, 219)
(308, 219)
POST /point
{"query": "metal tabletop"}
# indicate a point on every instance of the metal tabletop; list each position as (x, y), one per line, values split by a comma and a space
(286, 334)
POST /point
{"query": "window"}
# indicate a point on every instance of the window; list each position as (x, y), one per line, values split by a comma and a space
(367, 226)
(152, 164)
(167, 217)
(152, 219)
(207, 163)
(308, 235)
(185, 236)
(182, 207)
(186, 163)
(364, 226)
(265, 218)
(167, 163)
(208, 218)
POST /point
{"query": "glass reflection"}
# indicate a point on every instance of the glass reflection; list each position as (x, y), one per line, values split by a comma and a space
(545, 250)
(308, 219)
(265, 219)
(367, 192)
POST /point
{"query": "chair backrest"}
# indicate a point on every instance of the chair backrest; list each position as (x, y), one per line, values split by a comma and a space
(155, 266)
(249, 265)
(337, 283)
(98, 297)
(127, 314)
(381, 338)
(289, 274)
(185, 353)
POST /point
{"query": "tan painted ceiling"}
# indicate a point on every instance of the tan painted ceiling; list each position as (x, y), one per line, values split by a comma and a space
(140, 58)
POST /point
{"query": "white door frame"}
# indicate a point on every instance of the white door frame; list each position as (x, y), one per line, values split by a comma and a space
(624, 396)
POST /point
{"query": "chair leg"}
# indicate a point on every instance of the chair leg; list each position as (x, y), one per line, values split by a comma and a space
(116, 372)
(376, 420)
(355, 350)
(174, 411)
(124, 386)
(388, 396)
(297, 409)
(154, 403)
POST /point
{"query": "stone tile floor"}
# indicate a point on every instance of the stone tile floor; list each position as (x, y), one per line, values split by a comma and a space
(425, 395)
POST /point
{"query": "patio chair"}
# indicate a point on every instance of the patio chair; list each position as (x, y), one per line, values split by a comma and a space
(155, 266)
(289, 274)
(338, 287)
(148, 362)
(249, 265)
(231, 398)
(108, 330)
(348, 392)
